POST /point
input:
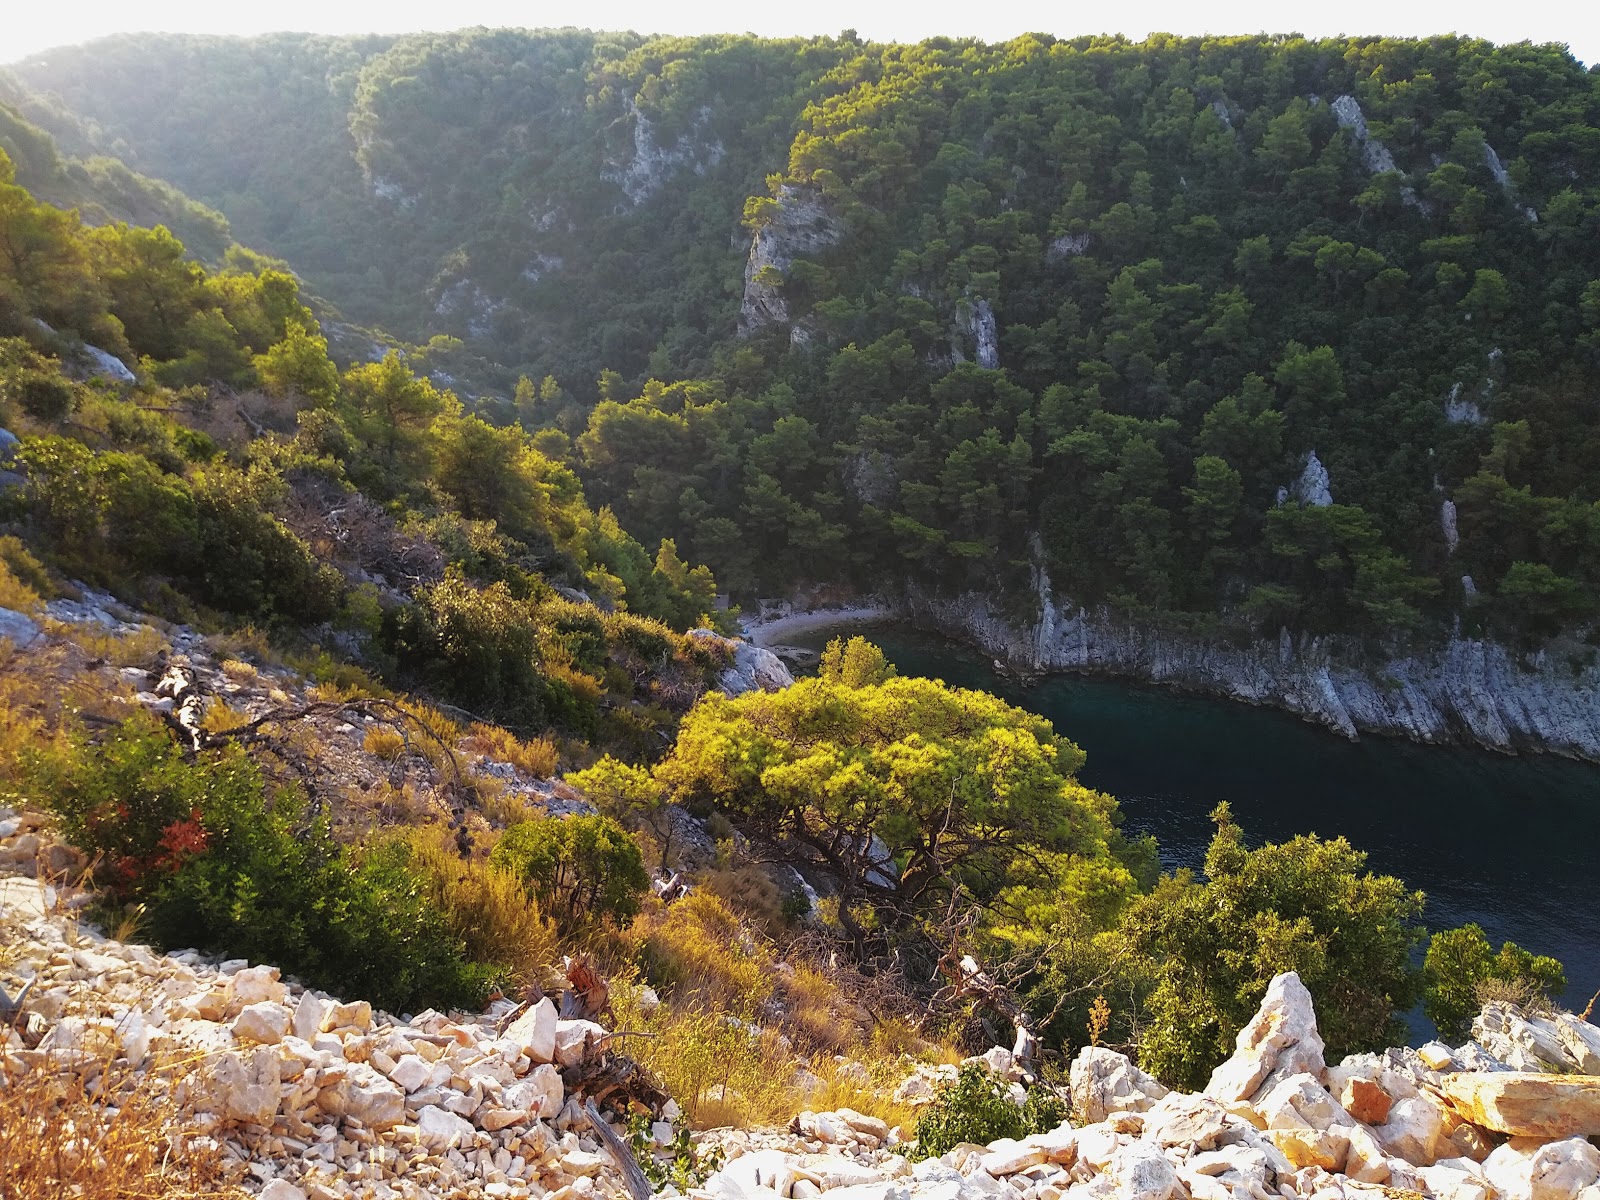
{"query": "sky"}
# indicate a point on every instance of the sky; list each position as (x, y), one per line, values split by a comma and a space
(40, 26)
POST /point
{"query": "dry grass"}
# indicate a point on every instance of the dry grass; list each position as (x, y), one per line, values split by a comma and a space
(84, 1137)
(384, 743)
(221, 717)
(16, 594)
(487, 908)
(538, 757)
(140, 648)
(246, 642)
(240, 671)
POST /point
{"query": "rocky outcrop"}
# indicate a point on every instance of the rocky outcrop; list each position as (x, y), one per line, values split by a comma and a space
(751, 667)
(1460, 691)
(1276, 1123)
(646, 171)
(801, 225)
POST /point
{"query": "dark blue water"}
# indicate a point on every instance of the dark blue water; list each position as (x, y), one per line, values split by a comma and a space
(1511, 843)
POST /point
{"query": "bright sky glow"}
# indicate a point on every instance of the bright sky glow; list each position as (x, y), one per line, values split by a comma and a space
(42, 24)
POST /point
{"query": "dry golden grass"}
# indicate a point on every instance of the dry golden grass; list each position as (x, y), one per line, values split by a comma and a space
(17, 595)
(221, 717)
(240, 671)
(65, 1135)
(245, 642)
(384, 743)
(538, 757)
(487, 908)
(141, 648)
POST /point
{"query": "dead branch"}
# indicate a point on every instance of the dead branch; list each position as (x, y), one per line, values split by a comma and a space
(638, 1186)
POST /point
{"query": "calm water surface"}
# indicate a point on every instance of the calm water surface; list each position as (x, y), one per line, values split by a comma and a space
(1511, 843)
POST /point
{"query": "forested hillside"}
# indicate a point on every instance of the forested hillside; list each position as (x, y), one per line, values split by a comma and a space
(1265, 331)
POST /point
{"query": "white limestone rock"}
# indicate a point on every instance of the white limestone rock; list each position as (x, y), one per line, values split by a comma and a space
(802, 226)
(254, 985)
(1528, 1169)
(574, 1040)
(265, 1022)
(541, 1093)
(365, 1095)
(1312, 488)
(1104, 1082)
(441, 1130)
(535, 1031)
(1280, 1040)
(243, 1086)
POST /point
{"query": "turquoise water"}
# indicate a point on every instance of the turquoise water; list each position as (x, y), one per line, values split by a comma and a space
(1511, 843)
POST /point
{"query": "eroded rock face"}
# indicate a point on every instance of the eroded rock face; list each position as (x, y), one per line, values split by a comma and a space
(754, 668)
(1524, 1104)
(1281, 1040)
(802, 226)
(1104, 1082)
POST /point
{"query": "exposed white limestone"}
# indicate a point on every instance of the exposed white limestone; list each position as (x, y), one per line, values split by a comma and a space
(801, 226)
(1447, 525)
(652, 163)
(1312, 488)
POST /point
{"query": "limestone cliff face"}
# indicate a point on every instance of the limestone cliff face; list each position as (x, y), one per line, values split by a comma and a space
(801, 227)
(1464, 691)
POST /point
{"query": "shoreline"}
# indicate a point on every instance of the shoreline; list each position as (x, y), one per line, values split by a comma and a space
(769, 631)
(1464, 693)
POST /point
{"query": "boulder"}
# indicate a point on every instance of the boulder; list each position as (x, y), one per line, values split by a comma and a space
(265, 1022)
(18, 628)
(1280, 1040)
(574, 1040)
(355, 1015)
(1105, 1082)
(1301, 1102)
(308, 1016)
(1367, 1102)
(1141, 1172)
(440, 1130)
(244, 1086)
(281, 1189)
(1529, 1169)
(1524, 1104)
(411, 1072)
(1306, 1147)
(1457, 1179)
(366, 1096)
(541, 1093)
(1418, 1130)
(535, 1032)
(1190, 1122)
(1580, 1040)
(1521, 1044)
(254, 985)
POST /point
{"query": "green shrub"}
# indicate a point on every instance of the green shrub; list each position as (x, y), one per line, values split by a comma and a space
(1460, 967)
(217, 863)
(43, 396)
(977, 1107)
(580, 868)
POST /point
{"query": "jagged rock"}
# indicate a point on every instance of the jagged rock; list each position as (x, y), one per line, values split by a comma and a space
(1103, 1082)
(264, 1022)
(355, 1015)
(1313, 487)
(801, 225)
(1525, 1104)
(1418, 1130)
(244, 1087)
(441, 1130)
(1142, 1172)
(1281, 1040)
(281, 1189)
(1306, 1147)
(1538, 1170)
(18, 628)
(411, 1073)
(254, 985)
(308, 1014)
(1579, 1040)
(535, 1031)
(541, 1093)
(753, 667)
(1300, 1101)
(366, 1096)
(574, 1040)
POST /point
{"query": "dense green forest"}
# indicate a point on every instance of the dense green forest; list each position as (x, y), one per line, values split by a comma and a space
(1088, 305)
(180, 436)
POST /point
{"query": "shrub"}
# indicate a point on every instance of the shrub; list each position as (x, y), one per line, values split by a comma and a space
(485, 906)
(537, 757)
(215, 864)
(698, 948)
(580, 868)
(977, 1107)
(1460, 972)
